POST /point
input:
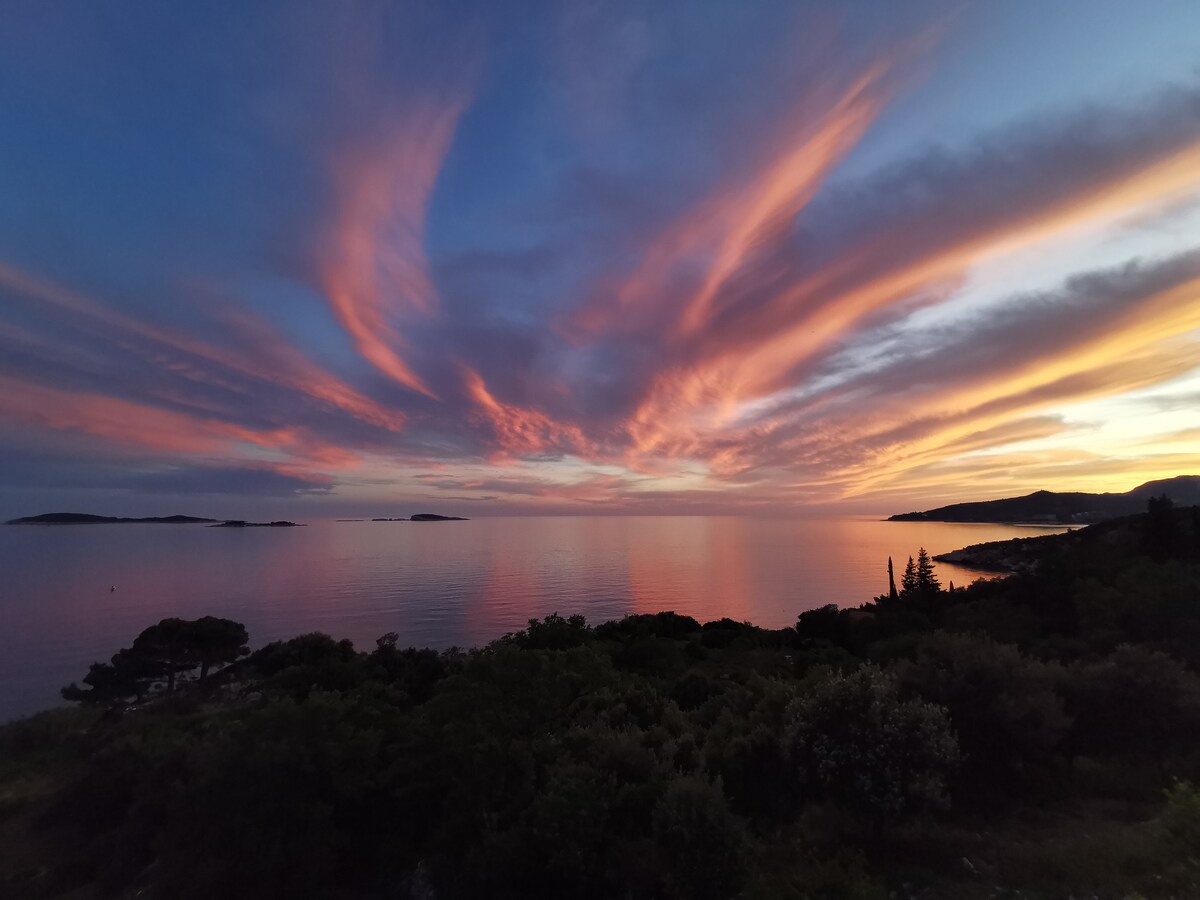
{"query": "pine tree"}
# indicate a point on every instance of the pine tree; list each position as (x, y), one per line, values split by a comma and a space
(926, 580)
(908, 582)
(892, 595)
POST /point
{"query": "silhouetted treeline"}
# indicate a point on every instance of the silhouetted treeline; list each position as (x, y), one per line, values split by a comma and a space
(1039, 733)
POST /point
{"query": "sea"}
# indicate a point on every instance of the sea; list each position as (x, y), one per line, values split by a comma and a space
(74, 594)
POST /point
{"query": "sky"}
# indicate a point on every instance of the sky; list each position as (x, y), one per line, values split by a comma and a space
(475, 258)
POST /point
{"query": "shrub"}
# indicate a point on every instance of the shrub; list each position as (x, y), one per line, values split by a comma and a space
(700, 841)
(1180, 818)
(858, 742)
(1136, 702)
(1003, 705)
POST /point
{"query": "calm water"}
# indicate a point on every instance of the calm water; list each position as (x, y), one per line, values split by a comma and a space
(438, 584)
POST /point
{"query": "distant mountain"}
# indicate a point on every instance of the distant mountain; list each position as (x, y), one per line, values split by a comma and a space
(86, 519)
(1067, 508)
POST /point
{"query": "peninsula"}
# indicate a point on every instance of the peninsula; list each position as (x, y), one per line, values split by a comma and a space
(1050, 507)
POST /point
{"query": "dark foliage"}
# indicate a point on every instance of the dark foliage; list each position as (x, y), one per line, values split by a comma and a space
(159, 655)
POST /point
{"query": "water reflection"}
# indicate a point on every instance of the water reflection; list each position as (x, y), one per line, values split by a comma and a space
(437, 584)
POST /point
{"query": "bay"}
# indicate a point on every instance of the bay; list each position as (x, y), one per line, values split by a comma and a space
(437, 584)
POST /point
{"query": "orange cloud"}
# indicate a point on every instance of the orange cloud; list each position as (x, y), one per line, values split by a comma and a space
(724, 231)
(987, 384)
(762, 211)
(942, 439)
(1144, 346)
(376, 269)
(136, 425)
(800, 334)
(519, 431)
(119, 421)
(285, 366)
(749, 354)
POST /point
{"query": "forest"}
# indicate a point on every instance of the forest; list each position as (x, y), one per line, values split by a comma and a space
(1034, 736)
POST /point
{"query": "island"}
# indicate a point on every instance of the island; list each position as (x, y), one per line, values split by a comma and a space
(88, 519)
(423, 517)
(240, 523)
(1053, 508)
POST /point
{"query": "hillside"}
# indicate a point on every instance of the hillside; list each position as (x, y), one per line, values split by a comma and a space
(1065, 508)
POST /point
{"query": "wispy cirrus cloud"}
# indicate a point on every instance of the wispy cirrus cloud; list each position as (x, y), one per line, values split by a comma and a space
(251, 351)
(518, 431)
(944, 215)
(376, 270)
(988, 381)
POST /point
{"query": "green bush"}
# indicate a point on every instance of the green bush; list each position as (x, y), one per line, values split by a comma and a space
(700, 842)
(859, 743)
(1135, 702)
(1004, 707)
(1180, 818)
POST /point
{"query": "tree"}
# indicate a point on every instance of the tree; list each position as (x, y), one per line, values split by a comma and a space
(160, 653)
(311, 662)
(128, 676)
(908, 581)
(180, 645)
(1161, 536)
(168, 645)
(892, 595)
(218, 642)
(927, 581)
(858, 742)
(919, 581)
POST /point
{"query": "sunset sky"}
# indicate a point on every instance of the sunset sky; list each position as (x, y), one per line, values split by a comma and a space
(335, 259)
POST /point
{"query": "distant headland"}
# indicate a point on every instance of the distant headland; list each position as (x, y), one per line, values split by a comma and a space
(87, 519)
(1049, 507)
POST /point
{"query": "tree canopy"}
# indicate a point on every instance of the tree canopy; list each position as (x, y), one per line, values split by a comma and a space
(159, 655)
